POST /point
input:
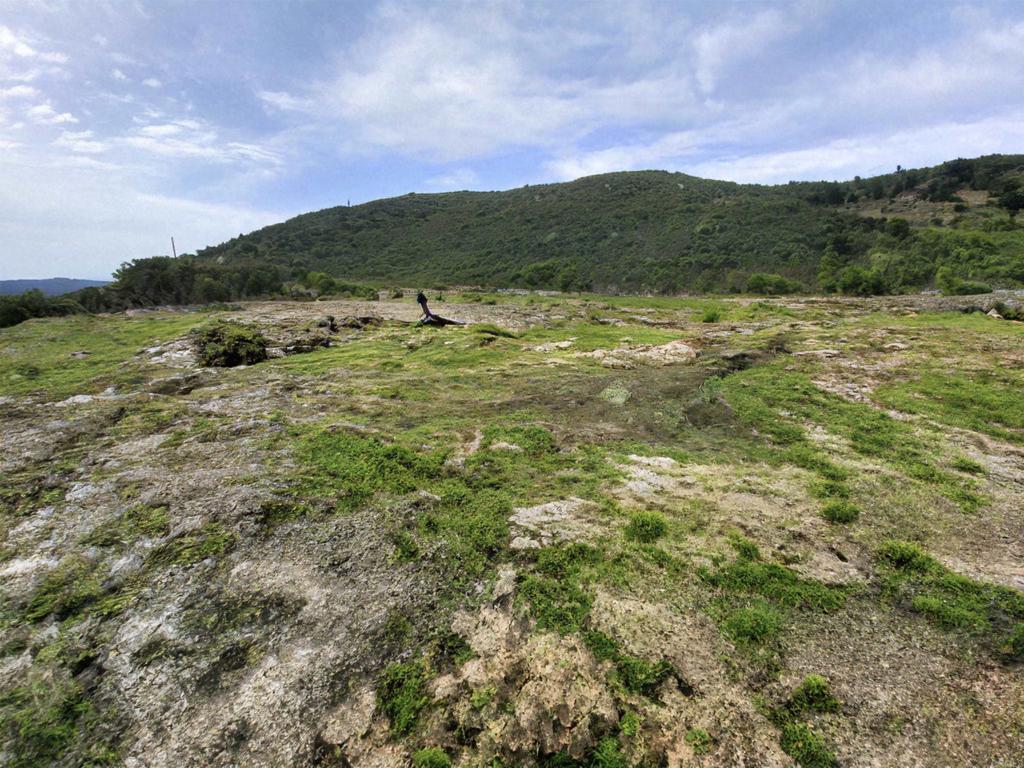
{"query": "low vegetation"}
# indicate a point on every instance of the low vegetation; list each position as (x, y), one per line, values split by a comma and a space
(918, 582)
(224, 345)
(455, 547)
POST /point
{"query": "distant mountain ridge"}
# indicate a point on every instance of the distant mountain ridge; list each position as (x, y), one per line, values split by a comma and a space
(53, 286)
(666, 232)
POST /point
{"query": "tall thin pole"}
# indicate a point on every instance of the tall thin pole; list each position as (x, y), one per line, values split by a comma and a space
(173, 249)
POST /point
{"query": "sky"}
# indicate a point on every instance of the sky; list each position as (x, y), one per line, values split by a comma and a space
(124, 123)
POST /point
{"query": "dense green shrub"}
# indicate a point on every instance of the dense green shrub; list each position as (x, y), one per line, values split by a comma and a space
(813, 695)
(646, 527)
(840, 511)
(951, 285)
(17, 309)
(227, 344)
(326, 285)
(769, 284)
(856, 280)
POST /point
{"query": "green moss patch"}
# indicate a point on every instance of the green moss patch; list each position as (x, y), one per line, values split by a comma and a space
(806, 746)
(402, 695)
(555, 594)
(66, 590)
(636, 675)
(777, 402)
(139, 522)
(992, 614)
(984, 402)
(42, 719)
(431, 757)
(351, 468)
(210, 540)
(754, 600)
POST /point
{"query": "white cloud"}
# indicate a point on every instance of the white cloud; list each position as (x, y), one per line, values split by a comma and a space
(79, 141)
(84, 218)
(191, 139)
(465, 83)
(118, 75)
(726, 45)
(19, 46)
(284, 101)
(443, 94)
(873, 153)
(15, 44)
(472, 80)
(45, 114)
(161, 130)
(458, 178)
(18, 92)
(152, 82)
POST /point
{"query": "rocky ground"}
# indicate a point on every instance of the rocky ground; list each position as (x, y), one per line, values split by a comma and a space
(600, 531)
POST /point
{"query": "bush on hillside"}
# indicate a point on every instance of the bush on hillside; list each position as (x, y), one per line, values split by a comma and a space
(225, 344)
(859, 281)
(951, 285)
(768, 284)
(34, 303)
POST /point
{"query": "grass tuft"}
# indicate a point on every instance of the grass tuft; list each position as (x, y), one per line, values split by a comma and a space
(646, 527)
(806, 747)
(840, 512)
(813, 695)
(402, 695)
(699, 740)
(753, 625)
(226, 344)
(431, 757)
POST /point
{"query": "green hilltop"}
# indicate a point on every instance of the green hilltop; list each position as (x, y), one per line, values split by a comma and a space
(668, 232)
(953, 226)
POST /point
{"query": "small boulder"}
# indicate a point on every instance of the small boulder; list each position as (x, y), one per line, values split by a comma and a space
(362, 321)
(181, 384)
(616, 394)
(307, 344)
(327, 321)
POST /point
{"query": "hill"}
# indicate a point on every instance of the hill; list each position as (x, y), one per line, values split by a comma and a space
(668, 232)
(952, 226)
(54, 286)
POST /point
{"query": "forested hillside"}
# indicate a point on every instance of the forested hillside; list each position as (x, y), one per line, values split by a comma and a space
(953, 227)
(670, 232)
